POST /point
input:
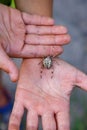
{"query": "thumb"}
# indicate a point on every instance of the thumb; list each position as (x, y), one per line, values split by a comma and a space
(81, 80)
(7, 65)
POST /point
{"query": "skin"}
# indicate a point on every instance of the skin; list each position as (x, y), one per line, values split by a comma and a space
(43, 92)
(46, 97)
(18, 37)
(41, 7)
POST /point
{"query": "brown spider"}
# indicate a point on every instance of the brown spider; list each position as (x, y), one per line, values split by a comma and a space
(47, 63)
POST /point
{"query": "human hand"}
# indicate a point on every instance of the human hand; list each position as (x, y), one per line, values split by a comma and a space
(20, 32)
(48, 96)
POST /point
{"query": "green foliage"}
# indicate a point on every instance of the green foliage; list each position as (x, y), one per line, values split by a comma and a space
(6, 2)
(13, 4)
(79, 110)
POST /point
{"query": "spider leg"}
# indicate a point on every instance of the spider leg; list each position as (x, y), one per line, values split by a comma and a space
(41, 71)
(52, 71)
(55, 56)
(40, 62)
(55, 60)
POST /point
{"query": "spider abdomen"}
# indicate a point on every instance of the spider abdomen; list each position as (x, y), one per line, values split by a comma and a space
(47, 62)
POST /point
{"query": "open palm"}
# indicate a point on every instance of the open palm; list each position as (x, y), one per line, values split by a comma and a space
(45, 93)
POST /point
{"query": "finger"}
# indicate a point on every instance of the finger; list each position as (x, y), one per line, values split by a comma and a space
(37, 19)
(81, 80)
(7, 65)
(47, 40)
(32, 29)
(16, 116)
(33, 51)
(63, 120)
(48, 122)
(32, 120)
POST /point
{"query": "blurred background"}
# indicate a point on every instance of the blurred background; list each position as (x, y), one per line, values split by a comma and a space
(73, 14)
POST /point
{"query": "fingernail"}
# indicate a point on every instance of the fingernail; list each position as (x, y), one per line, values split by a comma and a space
(68, 37)
(64, 29)
(50, 20)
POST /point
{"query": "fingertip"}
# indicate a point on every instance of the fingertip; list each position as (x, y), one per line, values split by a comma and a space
(47, 20)
(63, 39)
(13, 127)
(67, 39)
(57, 50)
(64, 29)
(51, 21)
(13, 73)
(61, 51)
(14, 76)
(16, 116)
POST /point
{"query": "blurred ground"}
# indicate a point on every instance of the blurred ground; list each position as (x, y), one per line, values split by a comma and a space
(71, 13)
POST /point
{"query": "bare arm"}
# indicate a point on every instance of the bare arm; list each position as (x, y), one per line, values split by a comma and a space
(41, 7)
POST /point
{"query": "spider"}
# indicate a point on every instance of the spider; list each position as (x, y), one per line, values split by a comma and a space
(47, 63)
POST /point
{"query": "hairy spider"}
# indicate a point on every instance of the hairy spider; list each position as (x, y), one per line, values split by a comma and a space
(47, 63)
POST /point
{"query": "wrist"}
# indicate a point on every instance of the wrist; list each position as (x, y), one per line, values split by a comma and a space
(40, 7)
